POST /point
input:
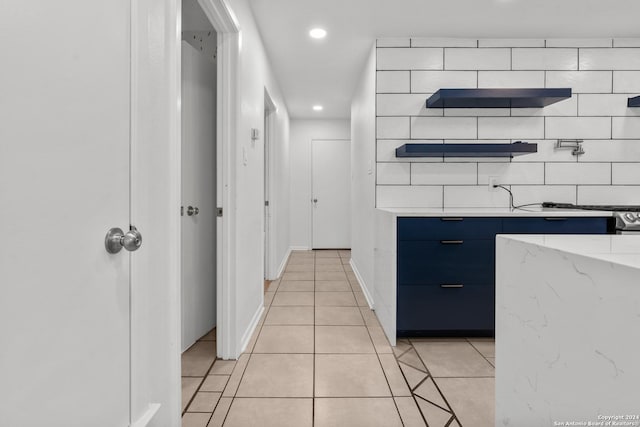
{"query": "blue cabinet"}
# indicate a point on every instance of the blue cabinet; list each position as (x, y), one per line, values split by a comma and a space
(554, 225)
(446, 269)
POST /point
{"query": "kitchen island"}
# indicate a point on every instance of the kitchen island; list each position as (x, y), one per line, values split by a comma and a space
(567, 330)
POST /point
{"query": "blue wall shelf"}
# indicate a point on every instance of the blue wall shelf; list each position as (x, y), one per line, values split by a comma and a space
(497, 98)
(634, 102)
(466, 150)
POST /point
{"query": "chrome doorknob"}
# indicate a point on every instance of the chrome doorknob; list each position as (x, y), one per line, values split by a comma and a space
(196, 210)
(116, 239)
(191, 211)
(315, 200)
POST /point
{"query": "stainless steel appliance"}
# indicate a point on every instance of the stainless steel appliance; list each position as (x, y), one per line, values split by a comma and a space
(627, 223)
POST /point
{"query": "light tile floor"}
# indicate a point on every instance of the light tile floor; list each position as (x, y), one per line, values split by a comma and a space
(320, 358)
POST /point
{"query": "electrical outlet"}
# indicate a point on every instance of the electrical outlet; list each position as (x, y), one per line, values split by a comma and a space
(493, 181)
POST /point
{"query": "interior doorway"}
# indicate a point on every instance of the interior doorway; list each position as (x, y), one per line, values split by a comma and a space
(331, 194)
(198, 176)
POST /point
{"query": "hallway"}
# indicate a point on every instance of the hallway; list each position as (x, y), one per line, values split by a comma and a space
(320, 358)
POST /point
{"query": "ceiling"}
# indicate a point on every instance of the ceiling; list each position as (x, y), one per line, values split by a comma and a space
(326, 71)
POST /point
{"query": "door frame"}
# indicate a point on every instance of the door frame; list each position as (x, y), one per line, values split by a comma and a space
(228, 38)
(155, 201)
(270, 108)
(311, 183)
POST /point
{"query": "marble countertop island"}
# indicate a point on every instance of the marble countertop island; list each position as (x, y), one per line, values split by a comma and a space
(567, 330)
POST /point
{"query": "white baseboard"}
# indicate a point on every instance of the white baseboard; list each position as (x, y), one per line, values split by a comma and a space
(363, 286)
(246, 337)
(146, 418)
(283, 264)
(300, 248)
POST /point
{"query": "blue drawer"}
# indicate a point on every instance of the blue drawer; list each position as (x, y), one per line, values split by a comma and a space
(554, 225)
(435, 262)
(435, 310)
(448, 228)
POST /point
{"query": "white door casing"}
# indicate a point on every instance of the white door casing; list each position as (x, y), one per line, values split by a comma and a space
(64, 181)
(331, 194)
(228, 43)
(198, 191)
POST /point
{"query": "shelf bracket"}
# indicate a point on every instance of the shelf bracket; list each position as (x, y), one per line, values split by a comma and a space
(574, 144)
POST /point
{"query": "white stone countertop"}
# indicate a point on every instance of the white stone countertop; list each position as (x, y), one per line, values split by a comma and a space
(611, 248)
(494, 212)
(567, 330)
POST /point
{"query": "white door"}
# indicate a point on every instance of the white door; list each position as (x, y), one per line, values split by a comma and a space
(198, 192)
(331, 194)
(64, 181)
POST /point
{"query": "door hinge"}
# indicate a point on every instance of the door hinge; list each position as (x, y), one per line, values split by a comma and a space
(219, 212)
(266, 203)
(181, 210)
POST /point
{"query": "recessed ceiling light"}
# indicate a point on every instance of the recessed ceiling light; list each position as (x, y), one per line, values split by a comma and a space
(317, 108)
(318, 33)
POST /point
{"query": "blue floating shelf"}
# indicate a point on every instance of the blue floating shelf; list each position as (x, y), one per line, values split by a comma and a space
(497, 98)
(466, 150)
(634, 102)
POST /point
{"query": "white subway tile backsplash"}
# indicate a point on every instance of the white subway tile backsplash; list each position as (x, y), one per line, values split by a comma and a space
(577, 127)
(444, 174)
(547, 152)
(625, 127)
(580, 81)
(511, 127)
(626, 82)
(443, 42)
(444, 127)
(511, 43)
(578, 173)
(611, 150)
(393, 82)
(625, 174)
(511, 173)
(404, 105)
(545, 59)
(601, 78)
(474, 197)
(579, 42)
(511, 79)
(525, 194)
(609, 195)
(626, 42)
(393, 173)
(477, 59)
(408, 196)
(610, 59)
(409, 58)
(394, 42)
(605, 105)
(476, 112)
(386, 150)
(392, 127)
(431, 81)
(566, 107)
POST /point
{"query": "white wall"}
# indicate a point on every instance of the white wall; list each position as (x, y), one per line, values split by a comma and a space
(363, 157)
(603, 73)
(254, 75)
(302, 133)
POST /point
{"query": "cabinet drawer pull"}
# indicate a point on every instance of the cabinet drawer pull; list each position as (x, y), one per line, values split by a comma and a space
(452, 242)
(451, 219)
(555, 219)
(452, 285)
